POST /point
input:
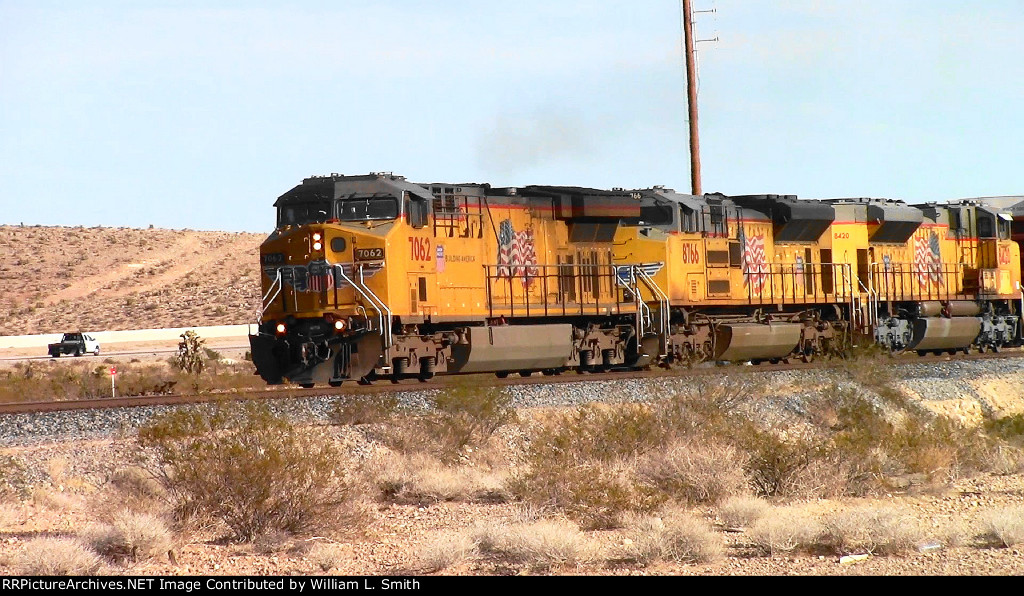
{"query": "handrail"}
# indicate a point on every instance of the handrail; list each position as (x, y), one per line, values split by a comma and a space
(664, 315)
(386, 330)
(280, 285)
(380, 313)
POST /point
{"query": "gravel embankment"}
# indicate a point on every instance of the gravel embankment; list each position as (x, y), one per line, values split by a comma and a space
(788, 391)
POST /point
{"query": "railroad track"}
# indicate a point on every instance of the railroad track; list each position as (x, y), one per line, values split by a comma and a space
(384, 386)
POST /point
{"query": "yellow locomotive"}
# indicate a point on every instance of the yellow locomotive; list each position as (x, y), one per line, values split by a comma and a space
(372, 276)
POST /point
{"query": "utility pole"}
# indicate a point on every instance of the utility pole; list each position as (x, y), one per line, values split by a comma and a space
(691, 94)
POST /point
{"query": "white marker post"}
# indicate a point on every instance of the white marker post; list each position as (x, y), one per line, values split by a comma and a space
(113, 374)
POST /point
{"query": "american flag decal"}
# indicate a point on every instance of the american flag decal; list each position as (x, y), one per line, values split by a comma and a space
(928, 260)
(755, 268)
(517, 256)
(321, 277)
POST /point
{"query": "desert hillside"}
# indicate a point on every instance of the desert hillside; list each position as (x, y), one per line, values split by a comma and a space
(107, 279)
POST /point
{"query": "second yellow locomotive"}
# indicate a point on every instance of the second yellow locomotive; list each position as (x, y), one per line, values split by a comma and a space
(372, 276)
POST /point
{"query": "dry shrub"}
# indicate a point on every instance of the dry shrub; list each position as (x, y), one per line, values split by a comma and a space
(543, 544)
(1005, 526)
(464, 416)
(743, 510)
(363, 409)
(696, 471)
(784, 530)
(57, 556)
(674, 536)
(130, 537)
(249, 468)
(585, 464)
(133, 489)
(873, 530)
(421, 478)
(14, 478)
(779, 465)
(1006, 460)
(596, 494)
(445, 550)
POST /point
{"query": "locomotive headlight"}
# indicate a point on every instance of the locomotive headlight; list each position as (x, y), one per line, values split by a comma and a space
(316, 236)
(317, 246)
(339, 325)
(281, 328)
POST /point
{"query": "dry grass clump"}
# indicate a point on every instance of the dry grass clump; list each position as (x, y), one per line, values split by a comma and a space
(954, 533)
(56, 556)
(250, 469)
(130, 537)
(872, 530)
(363, 409)
(543, 544)
(11, 515)
(1005, 526)
(423, 479)
(784, 530)
(742, 511)
(326, 556)
(675, 535)
(696, 471)
(445, 550)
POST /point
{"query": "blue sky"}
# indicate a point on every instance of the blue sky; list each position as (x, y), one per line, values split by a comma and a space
(198, 114)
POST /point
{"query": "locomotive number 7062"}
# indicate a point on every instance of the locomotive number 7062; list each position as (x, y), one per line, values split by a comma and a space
(369, 254)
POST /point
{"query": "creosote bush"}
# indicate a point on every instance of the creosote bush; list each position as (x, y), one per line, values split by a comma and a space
(463, 416)
(249, 468)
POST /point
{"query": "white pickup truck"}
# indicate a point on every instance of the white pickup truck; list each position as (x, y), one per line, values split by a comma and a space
(75, 343)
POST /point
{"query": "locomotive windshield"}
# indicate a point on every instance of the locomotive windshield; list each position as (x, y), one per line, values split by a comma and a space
(297, 214)
(370, 208)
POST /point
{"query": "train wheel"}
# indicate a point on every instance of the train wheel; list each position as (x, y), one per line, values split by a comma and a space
(334, 383)
(367, 380)
(922, 353)
(426, 369)
(525, 373)
(306, 385)
(997, 347)
(501, 374)
(982, 348)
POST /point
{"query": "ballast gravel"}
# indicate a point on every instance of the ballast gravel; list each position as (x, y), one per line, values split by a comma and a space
(786, 391)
